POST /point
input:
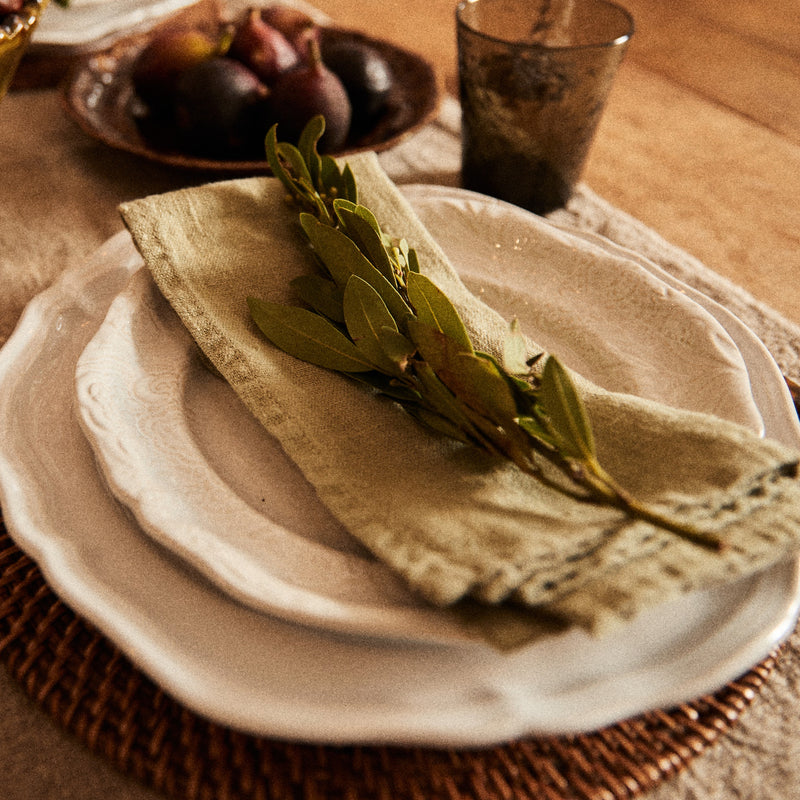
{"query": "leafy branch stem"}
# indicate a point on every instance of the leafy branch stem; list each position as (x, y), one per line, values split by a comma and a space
(371, 314)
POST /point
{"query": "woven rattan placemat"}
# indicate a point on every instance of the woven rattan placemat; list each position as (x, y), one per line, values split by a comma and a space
(90, 688)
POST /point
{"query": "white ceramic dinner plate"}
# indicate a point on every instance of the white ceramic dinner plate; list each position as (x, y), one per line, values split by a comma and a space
(91, 22)
(267, 676)
(186, 457)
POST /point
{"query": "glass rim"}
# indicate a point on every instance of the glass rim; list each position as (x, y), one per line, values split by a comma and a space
(615, 42)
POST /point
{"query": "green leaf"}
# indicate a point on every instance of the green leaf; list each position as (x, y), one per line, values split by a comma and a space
(337, 182)
(289, 166)
(479, 384)
(441, 399)
(519, 384)
(433, 308)
(324, 296)
(350, 188)
(404, 249)
(537, 430)
(361, 211)
(366, 235)
(435, 347)
(515, 350)
(524, 393)
(337, 252)
(366, 316)
(342, 258)
(398, 347)
(340, 203)
(307, 145)
(308, 336)
(474, 380)
(294, 158)
(565, 412)
(275, 164)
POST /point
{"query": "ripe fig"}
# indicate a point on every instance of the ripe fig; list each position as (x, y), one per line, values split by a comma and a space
(294, 24)
(312, 89)
(221, 110)
(164, 59)
(262, 48)
(366, 76)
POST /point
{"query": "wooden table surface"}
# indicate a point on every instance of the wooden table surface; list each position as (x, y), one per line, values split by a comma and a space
(701, 136)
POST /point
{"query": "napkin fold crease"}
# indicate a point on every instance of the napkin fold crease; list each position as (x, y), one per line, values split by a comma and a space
(455, 522)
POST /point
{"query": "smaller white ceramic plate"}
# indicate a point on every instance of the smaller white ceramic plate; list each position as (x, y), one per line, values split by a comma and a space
(90, 22)
(203, 477)
(769, 390)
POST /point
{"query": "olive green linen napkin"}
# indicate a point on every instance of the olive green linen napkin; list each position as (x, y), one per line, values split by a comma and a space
(455, 522)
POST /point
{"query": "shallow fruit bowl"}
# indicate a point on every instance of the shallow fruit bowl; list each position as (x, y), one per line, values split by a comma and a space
(99, 95)
(15, 34)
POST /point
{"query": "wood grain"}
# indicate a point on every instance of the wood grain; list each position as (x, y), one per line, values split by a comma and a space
(715, 183)
(701, 136)
(706, 48)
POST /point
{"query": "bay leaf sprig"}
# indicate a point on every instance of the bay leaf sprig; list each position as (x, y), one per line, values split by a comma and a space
(371, 314)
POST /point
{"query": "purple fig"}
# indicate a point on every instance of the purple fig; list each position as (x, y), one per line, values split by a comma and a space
(366, 76)
(262, 48)
(165, 58)
(312, 89)
(221, 110)
(294, 24)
